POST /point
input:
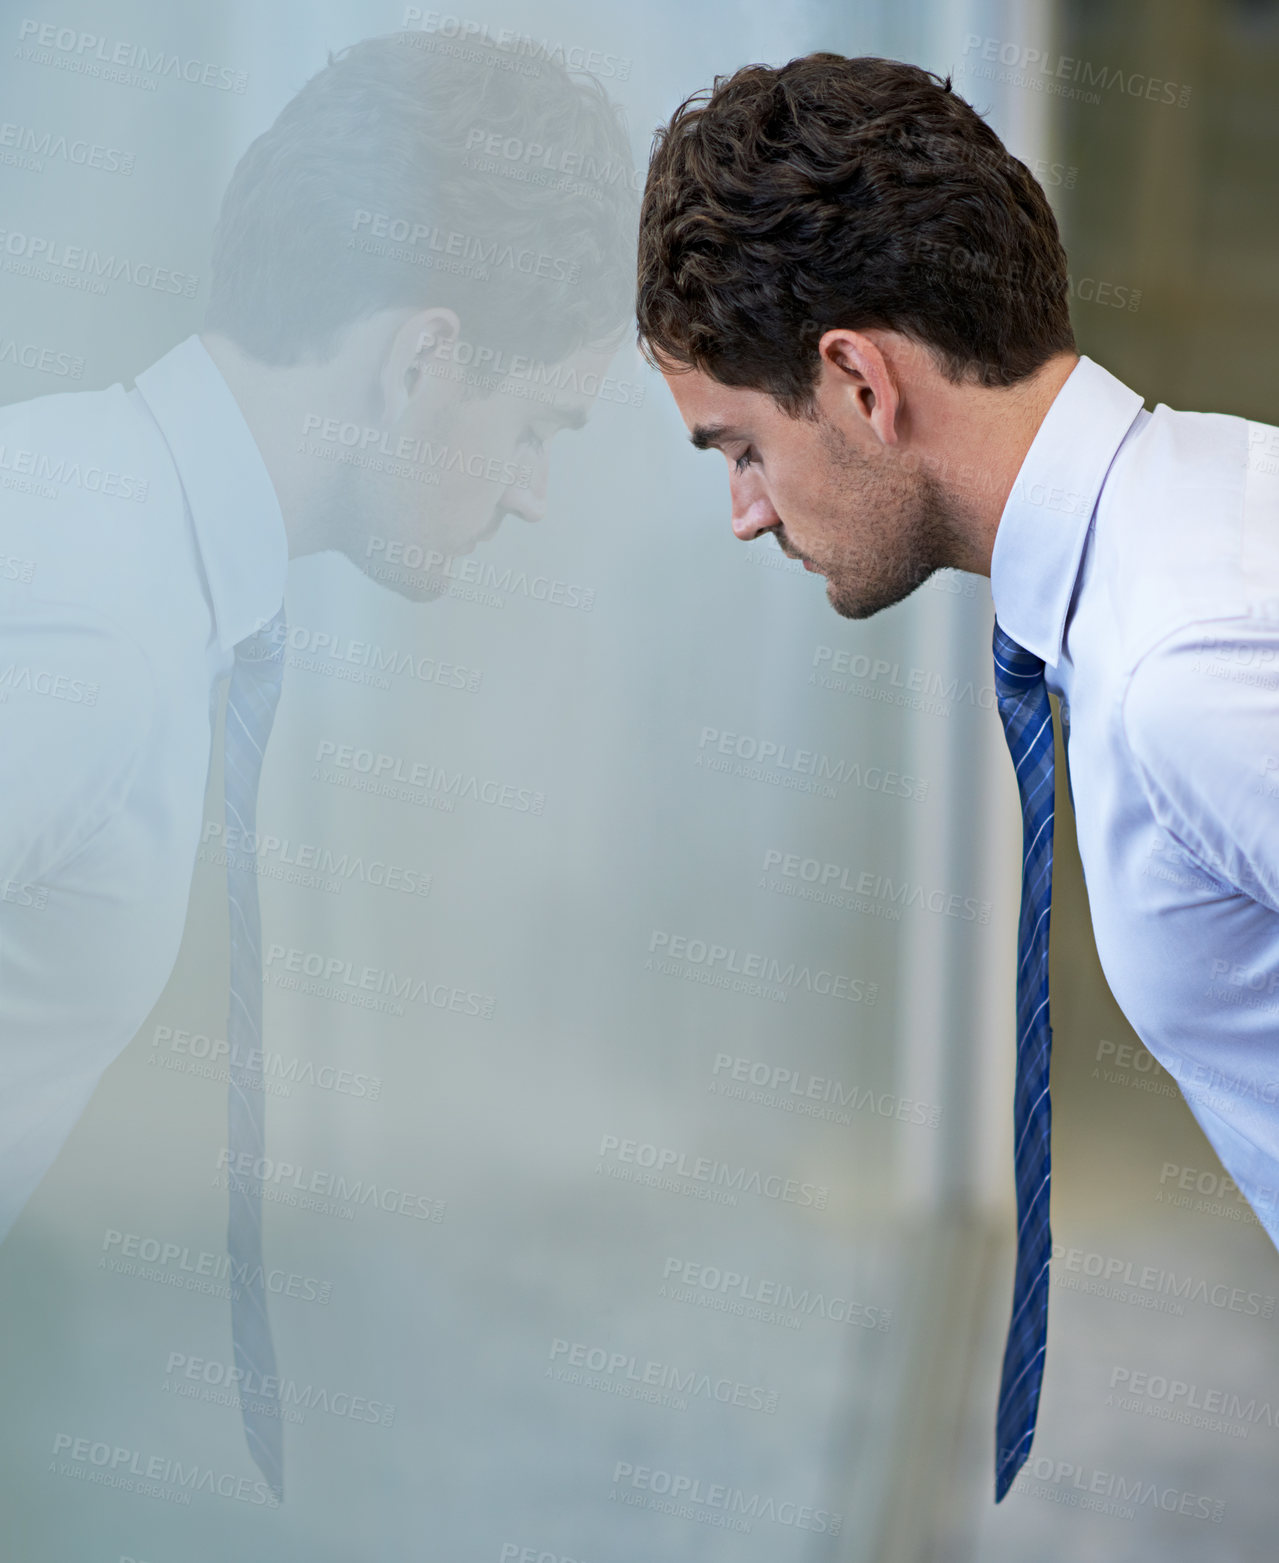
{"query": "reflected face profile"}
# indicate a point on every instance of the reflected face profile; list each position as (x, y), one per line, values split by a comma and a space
(871, 520)
(412, 322)
(458, 466)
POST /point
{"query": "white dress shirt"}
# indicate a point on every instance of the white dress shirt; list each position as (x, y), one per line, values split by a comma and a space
(140, 539)
(1138, 555)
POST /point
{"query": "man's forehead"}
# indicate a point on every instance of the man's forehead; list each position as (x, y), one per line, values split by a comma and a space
(713, 411)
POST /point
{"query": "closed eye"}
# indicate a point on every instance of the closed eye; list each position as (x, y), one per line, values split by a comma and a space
(744, 460)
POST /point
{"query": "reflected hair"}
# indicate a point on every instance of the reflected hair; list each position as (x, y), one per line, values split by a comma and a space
(373, 190)
(836, 192)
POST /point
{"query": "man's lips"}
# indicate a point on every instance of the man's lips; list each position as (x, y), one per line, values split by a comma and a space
(791, 554)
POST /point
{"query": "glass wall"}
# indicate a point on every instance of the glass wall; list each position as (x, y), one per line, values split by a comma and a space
(637, 936)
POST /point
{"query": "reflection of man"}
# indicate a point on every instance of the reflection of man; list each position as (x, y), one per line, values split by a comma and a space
(360, 245)
(860, 299)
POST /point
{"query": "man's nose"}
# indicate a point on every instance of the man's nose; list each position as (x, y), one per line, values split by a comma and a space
(753, 512)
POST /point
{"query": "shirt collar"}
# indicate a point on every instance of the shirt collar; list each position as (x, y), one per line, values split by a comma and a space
(1040, 541)
(238, 524)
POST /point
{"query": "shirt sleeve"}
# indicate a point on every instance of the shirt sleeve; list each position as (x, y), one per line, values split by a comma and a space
(1201, 718)
(77, 699)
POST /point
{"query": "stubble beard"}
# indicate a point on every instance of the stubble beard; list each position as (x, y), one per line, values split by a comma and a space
(911, 524)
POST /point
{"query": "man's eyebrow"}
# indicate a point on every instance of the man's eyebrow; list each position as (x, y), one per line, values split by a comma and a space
(709, 436)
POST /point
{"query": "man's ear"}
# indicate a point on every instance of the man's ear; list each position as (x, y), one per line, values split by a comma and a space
(426, 334)
(858, 381)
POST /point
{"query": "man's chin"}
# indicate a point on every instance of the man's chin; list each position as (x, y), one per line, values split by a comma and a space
(848, 608)
(851, 604)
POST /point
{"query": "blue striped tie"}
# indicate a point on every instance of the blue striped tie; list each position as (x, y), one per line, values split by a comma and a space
(251, 703)
(1022, 696)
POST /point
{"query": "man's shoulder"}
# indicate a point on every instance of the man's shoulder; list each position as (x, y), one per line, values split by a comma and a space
(81, 446)
(91, 506)
(1179, 467)
(1176, 528)
(74, 413)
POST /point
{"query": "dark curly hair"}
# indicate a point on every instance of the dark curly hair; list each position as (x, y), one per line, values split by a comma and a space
(843, 192)
(396, 126)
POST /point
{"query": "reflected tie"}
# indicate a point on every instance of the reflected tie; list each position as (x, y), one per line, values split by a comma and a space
(251, 703)
(1022, 696)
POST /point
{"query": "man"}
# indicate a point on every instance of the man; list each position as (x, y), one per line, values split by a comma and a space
(369, 250)
(859, 298)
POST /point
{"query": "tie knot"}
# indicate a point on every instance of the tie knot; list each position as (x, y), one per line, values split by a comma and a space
(265, 645)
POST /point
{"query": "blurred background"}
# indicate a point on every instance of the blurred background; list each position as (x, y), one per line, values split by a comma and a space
(709, 1252)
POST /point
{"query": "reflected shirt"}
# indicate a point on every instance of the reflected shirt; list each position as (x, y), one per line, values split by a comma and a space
(1138, 555)
(140, 540)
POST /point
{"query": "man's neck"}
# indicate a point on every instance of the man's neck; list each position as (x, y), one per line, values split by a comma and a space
(999, 427)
